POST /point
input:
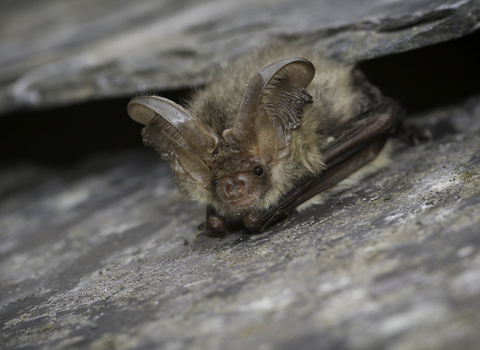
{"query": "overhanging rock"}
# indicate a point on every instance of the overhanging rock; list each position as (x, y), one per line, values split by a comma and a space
(53, 53)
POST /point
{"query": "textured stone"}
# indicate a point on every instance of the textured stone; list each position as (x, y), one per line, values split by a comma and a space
(103, 256)
(56, 53)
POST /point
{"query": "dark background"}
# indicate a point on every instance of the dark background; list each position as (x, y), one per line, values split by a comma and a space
(420, 79)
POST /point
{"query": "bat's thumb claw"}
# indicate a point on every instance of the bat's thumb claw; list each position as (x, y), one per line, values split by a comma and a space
(204, 230)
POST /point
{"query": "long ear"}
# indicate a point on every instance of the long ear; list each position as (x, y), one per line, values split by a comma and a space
(272, 104)
(177, 135)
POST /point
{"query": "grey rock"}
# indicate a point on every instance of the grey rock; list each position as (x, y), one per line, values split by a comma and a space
(55, 53)
(103, 256)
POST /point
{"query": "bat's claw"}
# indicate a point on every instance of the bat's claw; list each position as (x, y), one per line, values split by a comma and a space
(200, 229)
(204, 229)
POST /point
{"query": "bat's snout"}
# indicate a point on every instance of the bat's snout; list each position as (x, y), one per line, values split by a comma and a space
(236, 190)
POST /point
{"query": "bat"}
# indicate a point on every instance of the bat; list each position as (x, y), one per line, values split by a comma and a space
(255, 144)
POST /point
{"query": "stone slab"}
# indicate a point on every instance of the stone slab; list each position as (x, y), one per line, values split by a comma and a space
(102, 255)
(57, 53)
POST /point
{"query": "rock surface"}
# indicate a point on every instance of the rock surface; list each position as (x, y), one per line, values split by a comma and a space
(102, 256)
(56, 53)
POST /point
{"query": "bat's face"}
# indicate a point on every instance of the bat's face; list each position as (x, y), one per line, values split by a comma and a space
(240, 182)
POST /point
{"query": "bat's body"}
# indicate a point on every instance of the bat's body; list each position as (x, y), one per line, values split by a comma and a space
(255, 148)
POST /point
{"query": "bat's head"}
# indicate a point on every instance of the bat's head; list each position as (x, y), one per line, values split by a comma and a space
(240, 183)
(235, 171)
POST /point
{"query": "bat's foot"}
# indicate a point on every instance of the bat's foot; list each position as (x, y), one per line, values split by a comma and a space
(213, 227)
(253, 222)
(203, 230)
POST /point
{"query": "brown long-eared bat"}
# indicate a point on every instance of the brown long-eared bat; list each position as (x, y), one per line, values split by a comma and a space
(268, 134)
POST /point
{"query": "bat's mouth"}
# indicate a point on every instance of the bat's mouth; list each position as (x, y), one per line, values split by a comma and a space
(243, 202)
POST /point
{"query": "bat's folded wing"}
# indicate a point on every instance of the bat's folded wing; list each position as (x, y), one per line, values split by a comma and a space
(358, 145)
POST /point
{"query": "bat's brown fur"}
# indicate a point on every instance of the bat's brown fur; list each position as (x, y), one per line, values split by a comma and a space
(282, 125)
(339, 92)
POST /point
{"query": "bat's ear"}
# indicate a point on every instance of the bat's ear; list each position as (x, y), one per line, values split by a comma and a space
(177, 135)
(272, 104)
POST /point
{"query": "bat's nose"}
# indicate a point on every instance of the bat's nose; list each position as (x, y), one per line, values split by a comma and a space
(235, 188)
(238, 190)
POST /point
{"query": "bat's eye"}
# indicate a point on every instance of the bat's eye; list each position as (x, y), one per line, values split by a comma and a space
(214, 182)
(258, 171)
